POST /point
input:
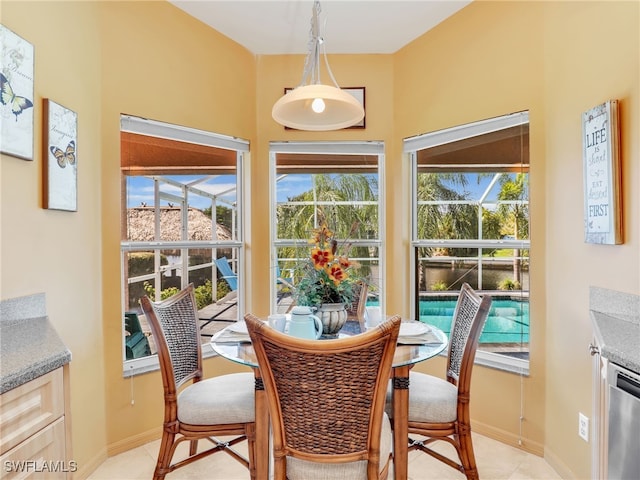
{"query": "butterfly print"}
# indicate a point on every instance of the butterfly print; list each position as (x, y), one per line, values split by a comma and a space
(66, 156)
(17, 103)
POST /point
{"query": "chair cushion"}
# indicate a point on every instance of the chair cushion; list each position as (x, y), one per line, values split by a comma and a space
(219, 400)
(431, 399)
(303, 470)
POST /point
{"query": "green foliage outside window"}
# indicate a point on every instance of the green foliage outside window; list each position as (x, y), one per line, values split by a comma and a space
(203, 293)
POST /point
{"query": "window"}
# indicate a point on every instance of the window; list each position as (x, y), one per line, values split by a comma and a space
(336, 183)
(181, 212)
(471, 224)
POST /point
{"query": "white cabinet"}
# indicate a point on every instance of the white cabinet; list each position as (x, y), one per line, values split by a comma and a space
(599, 414)
(32, 429)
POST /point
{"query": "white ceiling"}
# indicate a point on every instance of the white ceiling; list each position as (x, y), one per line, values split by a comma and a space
(357, 26)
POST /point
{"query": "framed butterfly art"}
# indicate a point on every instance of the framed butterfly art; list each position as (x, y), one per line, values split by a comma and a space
(60, 170)
(16, 95)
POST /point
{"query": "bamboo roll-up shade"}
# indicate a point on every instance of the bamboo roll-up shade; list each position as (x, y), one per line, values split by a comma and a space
(323, 163)
(503, 150)
(148, 155)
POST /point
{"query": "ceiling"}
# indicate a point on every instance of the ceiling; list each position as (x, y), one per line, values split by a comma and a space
(271, 27)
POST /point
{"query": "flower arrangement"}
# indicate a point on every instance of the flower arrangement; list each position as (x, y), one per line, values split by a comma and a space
(328, 276)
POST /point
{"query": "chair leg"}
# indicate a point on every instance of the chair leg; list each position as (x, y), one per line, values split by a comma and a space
(250, 432)
(193, 447)
(467, 458)
(164, 455)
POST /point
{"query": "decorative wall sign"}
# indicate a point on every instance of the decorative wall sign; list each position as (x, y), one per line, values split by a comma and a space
(60, 151)
(358, 93)
(16, 95)
(601, 157)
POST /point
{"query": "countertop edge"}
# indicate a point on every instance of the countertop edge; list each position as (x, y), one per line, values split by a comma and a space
(35, 370)
(30, 348)
(618, 339)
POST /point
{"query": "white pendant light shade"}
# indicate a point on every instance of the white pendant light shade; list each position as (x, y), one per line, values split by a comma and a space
(294, 109)
(312, 105)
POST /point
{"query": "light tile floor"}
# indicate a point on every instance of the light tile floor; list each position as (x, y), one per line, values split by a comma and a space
(496, 461)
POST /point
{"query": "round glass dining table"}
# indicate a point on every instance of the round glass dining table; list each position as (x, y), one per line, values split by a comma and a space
(231, 343)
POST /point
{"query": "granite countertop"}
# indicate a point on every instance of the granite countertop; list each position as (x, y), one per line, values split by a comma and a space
(619, 339)
(29, 348)
(615, 317)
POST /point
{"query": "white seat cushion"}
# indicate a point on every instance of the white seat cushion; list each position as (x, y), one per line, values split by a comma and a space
(303, 470)
(431, 399)
(218, 400)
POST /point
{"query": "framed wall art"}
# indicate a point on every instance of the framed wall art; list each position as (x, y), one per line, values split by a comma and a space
(16, 95)
(60, 165)
(602, 176)
(358, 93)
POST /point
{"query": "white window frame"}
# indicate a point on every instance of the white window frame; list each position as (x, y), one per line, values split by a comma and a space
(349, 148)
(410, 148)
(152, 128)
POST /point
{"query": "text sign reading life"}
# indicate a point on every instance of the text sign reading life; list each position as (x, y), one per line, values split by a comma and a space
(601, 174)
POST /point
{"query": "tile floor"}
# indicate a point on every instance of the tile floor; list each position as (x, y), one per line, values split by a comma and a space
(496, 461)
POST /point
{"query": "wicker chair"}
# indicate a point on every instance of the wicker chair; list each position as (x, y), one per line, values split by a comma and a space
(205, 409)
(355, 311)
(326, 402)
(439, 408)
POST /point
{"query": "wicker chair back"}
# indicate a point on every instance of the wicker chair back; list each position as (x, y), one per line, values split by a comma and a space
(326, 397)
(174, 324)
(462, 339)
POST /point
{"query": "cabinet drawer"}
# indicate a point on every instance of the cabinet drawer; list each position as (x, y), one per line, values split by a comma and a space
(42, 456)
(30, 407)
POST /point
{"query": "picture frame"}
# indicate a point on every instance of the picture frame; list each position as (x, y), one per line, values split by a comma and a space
(358, 93)
(16, 101)
(60, 160)
(602, 174)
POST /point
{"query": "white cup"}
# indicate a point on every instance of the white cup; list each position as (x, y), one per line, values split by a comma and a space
(277, 321)
(372, 316)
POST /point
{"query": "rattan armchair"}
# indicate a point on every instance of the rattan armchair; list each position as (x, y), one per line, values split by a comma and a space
(439, 408)
(221, 406)
(326, 402)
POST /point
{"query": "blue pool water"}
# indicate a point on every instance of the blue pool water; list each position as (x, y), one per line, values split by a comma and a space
(508, 320)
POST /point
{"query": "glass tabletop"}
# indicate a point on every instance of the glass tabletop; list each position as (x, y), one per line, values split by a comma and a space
(410, 349)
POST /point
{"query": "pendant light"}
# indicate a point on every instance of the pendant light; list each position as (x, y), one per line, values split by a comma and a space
(312, 105)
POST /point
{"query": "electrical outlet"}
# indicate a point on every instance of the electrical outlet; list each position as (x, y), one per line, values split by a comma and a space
(583, 426)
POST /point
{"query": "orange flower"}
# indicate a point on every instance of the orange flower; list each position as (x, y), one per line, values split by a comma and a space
(321, 234)
(321, 258)
(327, 275)
(344, 262)
(336, 273)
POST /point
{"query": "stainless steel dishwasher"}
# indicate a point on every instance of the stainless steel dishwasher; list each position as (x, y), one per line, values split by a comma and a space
(624, 424)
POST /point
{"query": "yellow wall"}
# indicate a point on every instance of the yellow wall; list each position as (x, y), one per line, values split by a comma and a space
(374, 72)
(492, 58)
(592, 53)
(484, 62)
(158, 63)
(56, 252)
(102, 59)
(557, 60)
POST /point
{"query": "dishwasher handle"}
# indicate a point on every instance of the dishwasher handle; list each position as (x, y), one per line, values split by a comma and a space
(628, 384)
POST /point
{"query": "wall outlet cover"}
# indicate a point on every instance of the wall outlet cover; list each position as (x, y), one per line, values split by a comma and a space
(583, 426)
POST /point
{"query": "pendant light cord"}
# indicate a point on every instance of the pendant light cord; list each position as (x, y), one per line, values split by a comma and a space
(311, 72)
